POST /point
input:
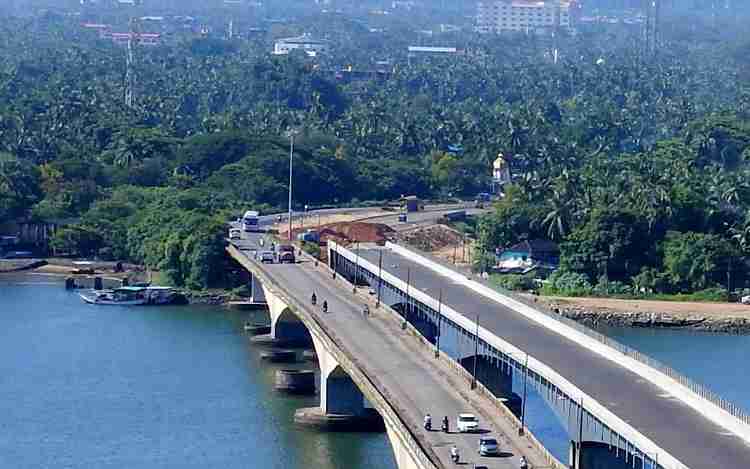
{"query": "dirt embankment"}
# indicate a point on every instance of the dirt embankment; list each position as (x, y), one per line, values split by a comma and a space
(714, 317)
(441, 241)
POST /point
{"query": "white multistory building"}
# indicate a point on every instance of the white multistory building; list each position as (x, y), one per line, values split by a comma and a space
(497, 16)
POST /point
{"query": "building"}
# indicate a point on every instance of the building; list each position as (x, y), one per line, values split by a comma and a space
(529, 255)
(524, 15)
(142, 39)
(305, 43)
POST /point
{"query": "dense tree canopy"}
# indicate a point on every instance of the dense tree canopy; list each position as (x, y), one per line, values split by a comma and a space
(613, 151)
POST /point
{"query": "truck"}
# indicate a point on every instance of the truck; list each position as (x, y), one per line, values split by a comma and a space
(251, 221)
(286, 254)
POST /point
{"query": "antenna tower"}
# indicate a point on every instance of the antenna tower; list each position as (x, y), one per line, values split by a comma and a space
(651, 32)
(130, 74)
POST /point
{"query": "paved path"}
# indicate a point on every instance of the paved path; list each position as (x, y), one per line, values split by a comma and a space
(415, 382)
(668, 422)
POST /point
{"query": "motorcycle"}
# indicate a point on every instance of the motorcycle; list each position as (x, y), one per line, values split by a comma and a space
(522, 463)
(428, 423)
(314, 299)
(366, 311)
(445, 425)
(325, 306)
(454, 455)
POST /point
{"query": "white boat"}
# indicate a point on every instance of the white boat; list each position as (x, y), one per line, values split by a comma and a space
(121, 297)
(131, 296)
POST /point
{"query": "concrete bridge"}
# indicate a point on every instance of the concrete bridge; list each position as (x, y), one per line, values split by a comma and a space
(620, 409)
(375, 362)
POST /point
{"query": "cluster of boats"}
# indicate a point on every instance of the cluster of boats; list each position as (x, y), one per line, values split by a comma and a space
(132, 296)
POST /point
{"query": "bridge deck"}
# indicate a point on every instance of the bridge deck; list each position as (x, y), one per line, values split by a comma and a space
(675, 427)
(405, 372)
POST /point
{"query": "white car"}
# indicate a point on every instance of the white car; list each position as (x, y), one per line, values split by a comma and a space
(488, 447)
(467, 423)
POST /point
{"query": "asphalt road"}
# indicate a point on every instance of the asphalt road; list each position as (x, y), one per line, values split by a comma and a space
(414, 381)
(676, 428)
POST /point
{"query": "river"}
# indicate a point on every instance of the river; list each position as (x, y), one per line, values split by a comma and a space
(86, 386)
(180, 387)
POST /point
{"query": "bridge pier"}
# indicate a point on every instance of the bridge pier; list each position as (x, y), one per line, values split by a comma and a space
(598, 455)
(342, 404)
(286, 328)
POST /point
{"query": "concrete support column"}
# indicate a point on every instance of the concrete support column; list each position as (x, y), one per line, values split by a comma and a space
(342, 404)
(256, 289)
(287, 330)
(404, 459)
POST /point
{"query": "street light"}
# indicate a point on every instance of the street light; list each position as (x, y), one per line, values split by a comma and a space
(476, 355)
(440, 317)
(523, 403)
(380, 276)
(356, 269)
(291, 134)
(304, 216)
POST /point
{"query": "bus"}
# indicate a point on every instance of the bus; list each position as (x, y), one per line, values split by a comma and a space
(250, 221)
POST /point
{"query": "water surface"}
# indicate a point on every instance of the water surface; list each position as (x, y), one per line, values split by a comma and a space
(84, 386)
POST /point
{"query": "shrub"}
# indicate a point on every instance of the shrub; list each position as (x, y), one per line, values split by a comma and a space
(514, 282)
(568, 284)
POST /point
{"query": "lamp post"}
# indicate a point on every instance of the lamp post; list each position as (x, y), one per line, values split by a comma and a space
(291, 133)
(304, 216)
(476, 355)
(523, 403)
(440, 320)
(380, 277)
(356, 269)
(408, 297)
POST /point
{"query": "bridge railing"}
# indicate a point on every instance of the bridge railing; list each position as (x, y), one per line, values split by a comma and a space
(700, 389)
(358, 372)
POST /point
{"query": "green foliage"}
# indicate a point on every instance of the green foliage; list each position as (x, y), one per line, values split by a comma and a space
(695, 261)
(565, 283)
(20, 186)
(514, 282)
(311, 248)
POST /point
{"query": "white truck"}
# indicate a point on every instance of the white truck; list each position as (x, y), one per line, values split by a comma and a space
(251, 221)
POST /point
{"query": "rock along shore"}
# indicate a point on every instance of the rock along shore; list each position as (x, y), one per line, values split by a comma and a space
(732, 325)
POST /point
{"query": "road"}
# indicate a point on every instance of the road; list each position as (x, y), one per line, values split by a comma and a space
(430, 215)
(407, 373)
(668, 422)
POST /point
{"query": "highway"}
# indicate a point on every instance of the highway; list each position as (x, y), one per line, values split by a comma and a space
(406, 372)
(672, 425)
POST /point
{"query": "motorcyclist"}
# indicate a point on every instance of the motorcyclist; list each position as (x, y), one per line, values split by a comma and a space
(428, 422)
(522, 463)
(314, 299)
(325, 306)
(366, 310)
(454, 454)
(445, 424)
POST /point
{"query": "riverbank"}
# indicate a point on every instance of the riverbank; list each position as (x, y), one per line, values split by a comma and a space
(733, 318)
(57, 270)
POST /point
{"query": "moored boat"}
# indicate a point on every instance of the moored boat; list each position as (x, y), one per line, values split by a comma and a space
(131, 296)
(126, 296)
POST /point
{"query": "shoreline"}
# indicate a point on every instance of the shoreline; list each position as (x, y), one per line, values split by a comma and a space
(593, 312)
(46, 277)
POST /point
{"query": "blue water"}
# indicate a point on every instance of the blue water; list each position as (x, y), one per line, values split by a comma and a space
(718, 361)
(85, 386)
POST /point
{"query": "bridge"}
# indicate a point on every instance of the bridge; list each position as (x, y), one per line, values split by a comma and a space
(619, 409)
(374, 361)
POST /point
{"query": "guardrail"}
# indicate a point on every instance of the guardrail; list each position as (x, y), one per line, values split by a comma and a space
(697, 388)
(359, 373)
